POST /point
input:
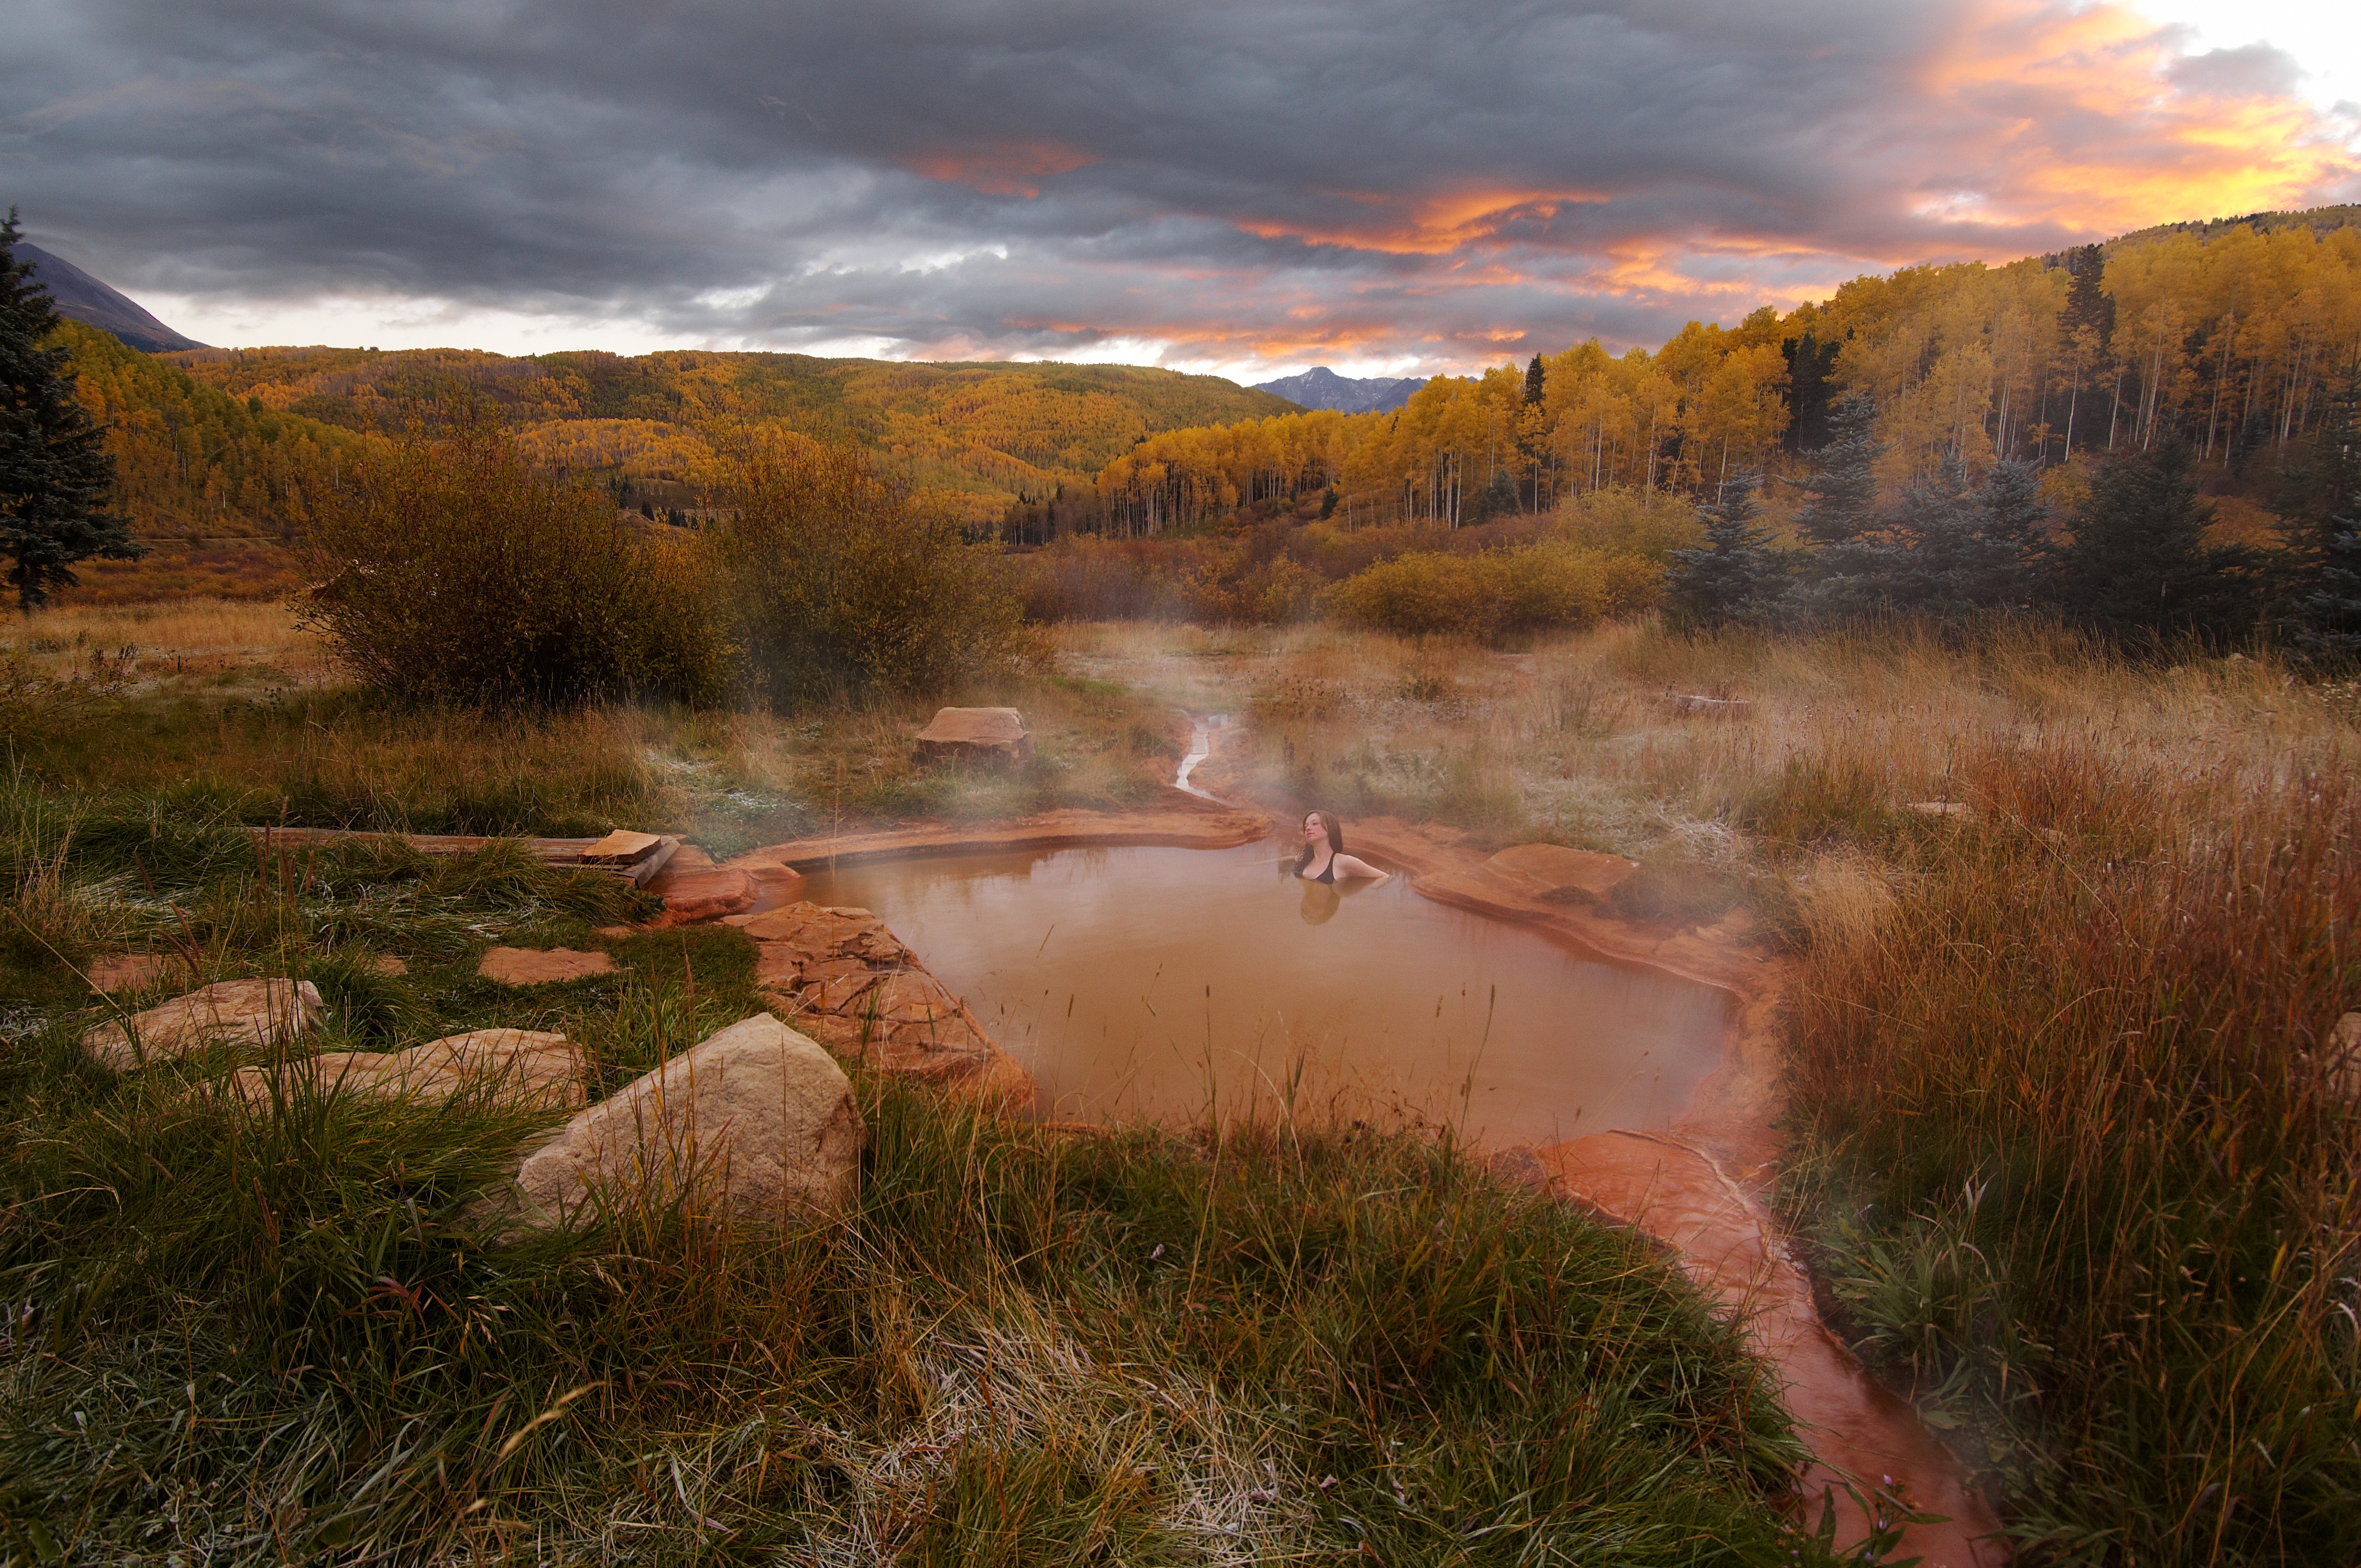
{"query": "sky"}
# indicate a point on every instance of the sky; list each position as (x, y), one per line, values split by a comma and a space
(1387, 187)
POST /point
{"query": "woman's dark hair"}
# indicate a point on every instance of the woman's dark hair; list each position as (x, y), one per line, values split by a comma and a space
(1335, 835)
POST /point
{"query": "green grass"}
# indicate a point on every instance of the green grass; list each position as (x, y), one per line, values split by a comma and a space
(281, 1334)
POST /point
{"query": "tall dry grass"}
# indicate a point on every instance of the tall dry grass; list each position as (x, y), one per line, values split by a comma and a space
(2078, 1152)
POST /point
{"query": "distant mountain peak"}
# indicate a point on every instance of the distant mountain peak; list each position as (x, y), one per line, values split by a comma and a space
(1321, 388)
(83, 297)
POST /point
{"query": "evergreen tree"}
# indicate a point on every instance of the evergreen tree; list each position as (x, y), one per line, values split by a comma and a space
(2014, 533)
(2317, 483)
(1841, 502)
(1736, 576)
(2326, 623)
(2137, 566)
(1942, 519)
(1497, 498)
(2090, 309)
(1534, 377)
(1810, 363)
(55, 471)
(1854, 571)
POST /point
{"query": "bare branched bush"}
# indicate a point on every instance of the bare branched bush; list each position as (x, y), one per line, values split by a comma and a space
(451, 571)
(842, 581)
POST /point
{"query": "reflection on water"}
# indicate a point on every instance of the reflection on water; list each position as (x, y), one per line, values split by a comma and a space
(1144, 981)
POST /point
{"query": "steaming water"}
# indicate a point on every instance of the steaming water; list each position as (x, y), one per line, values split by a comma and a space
(1130, 980)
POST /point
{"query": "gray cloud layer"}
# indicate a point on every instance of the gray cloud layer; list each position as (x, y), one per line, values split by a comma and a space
(1031, 177)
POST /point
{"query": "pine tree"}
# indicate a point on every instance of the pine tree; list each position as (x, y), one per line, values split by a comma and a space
(1810, 363)
(2326, 624)
(1941, 519)
(2317, 483)
(1853, 571)
(55, 471)
(2090, 309)
(1736, 576)
(2012, 536)
(2137, 566)
(1534, 377)
(1842, 495)
(1497, 498)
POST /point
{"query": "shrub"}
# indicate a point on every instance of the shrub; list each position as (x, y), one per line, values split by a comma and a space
(1249, 581)
(1496, 594)
(841, 580)
(1651, 524)
(450, 571)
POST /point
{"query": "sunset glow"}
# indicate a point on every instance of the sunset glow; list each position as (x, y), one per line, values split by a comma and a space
(1435, 193)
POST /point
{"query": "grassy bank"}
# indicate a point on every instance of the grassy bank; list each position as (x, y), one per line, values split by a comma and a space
(275, 1334)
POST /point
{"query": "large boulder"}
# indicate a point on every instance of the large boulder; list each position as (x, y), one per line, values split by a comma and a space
(756, 1121)
(259, 1013)
(977, 734)
(527, 1065)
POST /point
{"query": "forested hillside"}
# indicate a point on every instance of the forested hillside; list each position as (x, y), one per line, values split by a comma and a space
(2231, 336)
(216, 485)
(974, 436)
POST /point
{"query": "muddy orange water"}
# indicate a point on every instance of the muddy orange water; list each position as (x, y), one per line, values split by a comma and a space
(1133, 981)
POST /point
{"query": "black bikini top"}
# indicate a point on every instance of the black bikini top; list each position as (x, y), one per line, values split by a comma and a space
(1327, 872)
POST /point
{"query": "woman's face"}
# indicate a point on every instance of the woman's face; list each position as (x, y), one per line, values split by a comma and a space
(1314, 830)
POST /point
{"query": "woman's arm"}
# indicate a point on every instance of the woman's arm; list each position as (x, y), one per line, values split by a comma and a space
(1353, 865)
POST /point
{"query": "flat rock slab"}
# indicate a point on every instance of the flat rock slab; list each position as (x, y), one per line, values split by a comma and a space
(259, 1012)
(1546, 874)
(111, 972)
(756, 1121)
(845, 980)
(543, 966)
(694, 889)
(817, 932)
(529, 1066)
(984, 734)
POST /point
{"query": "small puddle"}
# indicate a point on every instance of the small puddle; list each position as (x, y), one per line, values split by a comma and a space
(1157, 981)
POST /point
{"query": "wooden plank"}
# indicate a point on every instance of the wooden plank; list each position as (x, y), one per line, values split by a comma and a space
(567, 852)
(622, 848)
(645, 872)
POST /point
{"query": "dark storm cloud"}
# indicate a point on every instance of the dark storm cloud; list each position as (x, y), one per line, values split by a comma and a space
(1038, 177)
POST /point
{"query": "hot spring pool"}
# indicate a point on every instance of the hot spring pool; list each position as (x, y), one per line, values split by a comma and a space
(1147, 983)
